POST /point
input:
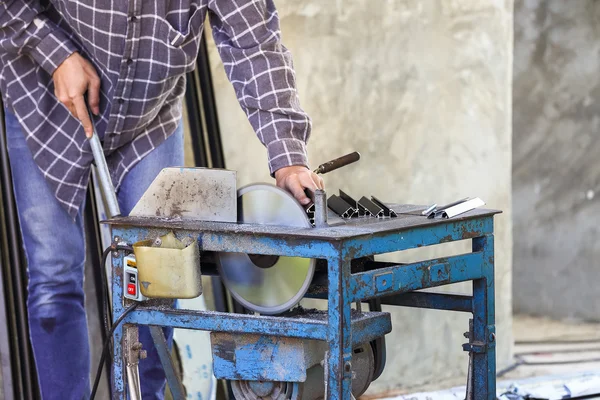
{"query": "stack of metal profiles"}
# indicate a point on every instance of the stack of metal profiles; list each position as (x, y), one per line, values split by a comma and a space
(346, 207)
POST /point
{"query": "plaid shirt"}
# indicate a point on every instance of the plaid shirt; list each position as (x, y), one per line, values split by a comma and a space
(142, 51)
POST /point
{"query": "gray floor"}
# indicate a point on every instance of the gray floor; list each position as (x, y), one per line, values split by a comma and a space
(571, 347)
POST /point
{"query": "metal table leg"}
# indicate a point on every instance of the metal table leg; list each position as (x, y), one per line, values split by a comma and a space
(118, 372)
(483, 346)
(339, 357)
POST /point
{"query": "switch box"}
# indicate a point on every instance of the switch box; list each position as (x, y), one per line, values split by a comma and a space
(131, 283)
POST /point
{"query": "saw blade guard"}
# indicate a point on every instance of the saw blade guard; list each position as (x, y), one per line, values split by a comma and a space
(264, 283)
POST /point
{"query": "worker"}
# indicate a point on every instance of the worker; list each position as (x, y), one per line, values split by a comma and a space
(126, 61)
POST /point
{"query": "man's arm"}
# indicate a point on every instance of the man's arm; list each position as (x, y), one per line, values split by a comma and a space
(25, 30)
(248, 38)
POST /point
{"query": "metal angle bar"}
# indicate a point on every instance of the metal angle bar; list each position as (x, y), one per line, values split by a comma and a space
(253, 243)
(173, 379)
(364, 331)
(340, 207)
(306, 249)
(420, 275)
(434, 301)
(388, 212)
(373, 208)
(461, 208)
(226, 322)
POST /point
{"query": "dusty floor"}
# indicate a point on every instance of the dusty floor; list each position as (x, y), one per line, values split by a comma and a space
(542, 347)
(550, 347)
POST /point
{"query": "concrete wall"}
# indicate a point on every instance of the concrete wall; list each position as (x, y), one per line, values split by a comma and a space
(423, 90)
(556, 172)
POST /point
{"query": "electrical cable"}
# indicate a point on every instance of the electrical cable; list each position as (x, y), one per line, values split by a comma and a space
(106, 311)
(559, 340)
(557, 351)
(522, 362)
(108, 327)
(105, 347)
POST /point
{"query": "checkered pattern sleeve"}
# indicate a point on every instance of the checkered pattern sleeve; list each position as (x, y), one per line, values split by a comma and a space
(25, 30)
(248, 38)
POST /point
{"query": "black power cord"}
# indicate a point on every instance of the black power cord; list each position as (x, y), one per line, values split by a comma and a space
(108, 327)
(105, 347)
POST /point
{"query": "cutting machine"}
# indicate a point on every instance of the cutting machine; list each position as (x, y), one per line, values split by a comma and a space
(271, 253)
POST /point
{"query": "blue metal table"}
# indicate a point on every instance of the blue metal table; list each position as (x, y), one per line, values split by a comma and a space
(338, 245)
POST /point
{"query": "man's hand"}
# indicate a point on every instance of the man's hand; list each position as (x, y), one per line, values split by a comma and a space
(295, 179)
(72, 79)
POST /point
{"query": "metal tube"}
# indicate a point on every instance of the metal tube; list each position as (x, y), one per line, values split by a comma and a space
(106, 185)
(132, 349)
(320, 208)
(133, 382)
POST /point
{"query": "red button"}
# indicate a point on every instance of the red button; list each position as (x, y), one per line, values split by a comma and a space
(131, 289)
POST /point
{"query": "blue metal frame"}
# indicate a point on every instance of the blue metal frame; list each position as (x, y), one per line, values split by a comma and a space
(339, 329)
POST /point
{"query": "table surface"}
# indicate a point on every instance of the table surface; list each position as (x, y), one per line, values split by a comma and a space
(409, 217)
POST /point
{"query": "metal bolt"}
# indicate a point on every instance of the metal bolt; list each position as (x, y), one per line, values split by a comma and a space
(157, 242)
(116, 239)
(347, 366)
(136, 346)
(492, 337)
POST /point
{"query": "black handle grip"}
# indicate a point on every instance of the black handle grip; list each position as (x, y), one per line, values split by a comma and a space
(338, 163)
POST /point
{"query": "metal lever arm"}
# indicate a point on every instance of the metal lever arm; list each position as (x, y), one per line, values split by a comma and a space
(106, 186)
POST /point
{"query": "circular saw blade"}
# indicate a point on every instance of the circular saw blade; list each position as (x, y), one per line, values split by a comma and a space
(267, 284)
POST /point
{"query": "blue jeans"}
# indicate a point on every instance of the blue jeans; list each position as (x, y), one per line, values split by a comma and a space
(55, 248)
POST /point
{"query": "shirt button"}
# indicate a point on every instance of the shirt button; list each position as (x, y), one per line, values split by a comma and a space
(121, 101)
(133, 18)
(129, 61)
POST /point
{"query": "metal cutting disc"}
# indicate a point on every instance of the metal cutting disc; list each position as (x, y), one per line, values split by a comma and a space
(263, 283)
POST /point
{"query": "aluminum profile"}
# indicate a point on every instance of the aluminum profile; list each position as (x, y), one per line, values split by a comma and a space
(358, 211)
(371, 207)
(340, 207)
(387, 211)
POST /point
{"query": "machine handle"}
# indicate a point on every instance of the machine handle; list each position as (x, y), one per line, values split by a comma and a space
(106, 186)
(338, 163)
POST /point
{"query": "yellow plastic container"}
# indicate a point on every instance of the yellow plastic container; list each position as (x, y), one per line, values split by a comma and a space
(168, 268)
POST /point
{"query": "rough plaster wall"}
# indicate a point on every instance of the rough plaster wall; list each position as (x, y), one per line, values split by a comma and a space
(556, 171)
(423, 90)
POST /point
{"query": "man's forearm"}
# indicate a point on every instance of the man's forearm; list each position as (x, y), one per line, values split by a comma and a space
(247, 34)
